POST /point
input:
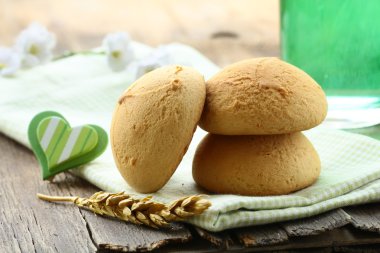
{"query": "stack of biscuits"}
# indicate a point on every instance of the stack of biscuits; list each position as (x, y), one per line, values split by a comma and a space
(254, 112)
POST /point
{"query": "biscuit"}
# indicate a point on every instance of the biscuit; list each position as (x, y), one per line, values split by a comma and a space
(153, 124)
(255, 165)
(262, 96)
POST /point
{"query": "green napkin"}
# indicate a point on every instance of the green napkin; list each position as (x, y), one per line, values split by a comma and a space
(84, 90)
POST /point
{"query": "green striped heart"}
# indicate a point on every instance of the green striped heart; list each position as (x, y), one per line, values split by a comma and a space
(58, 147)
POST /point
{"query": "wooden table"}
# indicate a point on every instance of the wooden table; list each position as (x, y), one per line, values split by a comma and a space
(225, 31)
(31, 225)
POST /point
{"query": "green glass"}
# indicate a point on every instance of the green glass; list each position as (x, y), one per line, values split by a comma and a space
(337, 42)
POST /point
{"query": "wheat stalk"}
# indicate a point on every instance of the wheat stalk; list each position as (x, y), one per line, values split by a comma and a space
(138, 211)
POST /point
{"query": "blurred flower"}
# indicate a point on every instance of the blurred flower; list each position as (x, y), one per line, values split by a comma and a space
(10, 61)
(119, 51)
(35, 45)
(158, 58)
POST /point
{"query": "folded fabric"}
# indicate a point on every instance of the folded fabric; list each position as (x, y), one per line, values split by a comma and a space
(85, 90)
(354, 114)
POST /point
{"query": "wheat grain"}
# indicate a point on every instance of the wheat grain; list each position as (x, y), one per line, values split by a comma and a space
(145, 211)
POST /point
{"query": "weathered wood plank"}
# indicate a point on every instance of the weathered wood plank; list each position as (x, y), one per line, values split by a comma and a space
(261, 235)
(340, 237)
(365, 217)
(193, 246)
(121, 236)
(108, 233)
(30, 225)
(221, 240)
(317, 224)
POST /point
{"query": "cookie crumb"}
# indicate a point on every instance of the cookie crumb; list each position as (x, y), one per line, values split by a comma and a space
(176, 83)
(178, 69)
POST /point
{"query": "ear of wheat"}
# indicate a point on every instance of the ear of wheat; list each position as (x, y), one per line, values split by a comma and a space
(142, 211)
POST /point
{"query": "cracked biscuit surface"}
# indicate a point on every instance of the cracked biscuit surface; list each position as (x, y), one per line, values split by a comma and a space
(262, 96)
(256, 165)
(153, 124)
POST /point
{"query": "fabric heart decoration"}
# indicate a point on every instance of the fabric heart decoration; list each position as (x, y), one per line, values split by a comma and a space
(58, 147)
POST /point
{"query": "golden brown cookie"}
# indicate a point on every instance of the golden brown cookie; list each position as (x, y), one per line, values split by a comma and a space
(262, 96)
(256, 165)
(153, 125)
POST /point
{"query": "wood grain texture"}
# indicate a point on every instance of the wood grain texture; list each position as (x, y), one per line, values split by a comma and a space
(365, 217)
(342, 237)
(317, 224)
(261, 235)
(120, 236)
(221, 240)
(29, 224)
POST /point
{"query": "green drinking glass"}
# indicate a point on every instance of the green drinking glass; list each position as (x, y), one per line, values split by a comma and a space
(337, 42)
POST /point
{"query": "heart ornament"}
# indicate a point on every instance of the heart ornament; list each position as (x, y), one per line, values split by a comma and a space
(58, 147)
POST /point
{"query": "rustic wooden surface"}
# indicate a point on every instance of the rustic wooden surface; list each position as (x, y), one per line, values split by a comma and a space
(365, 219)
(28, 226)
(317, 224)
(225, 31)
(31, 225)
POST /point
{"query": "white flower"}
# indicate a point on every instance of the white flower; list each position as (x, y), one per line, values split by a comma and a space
(119, 51)
(158, 58)
(35, 45)
(10, 61)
